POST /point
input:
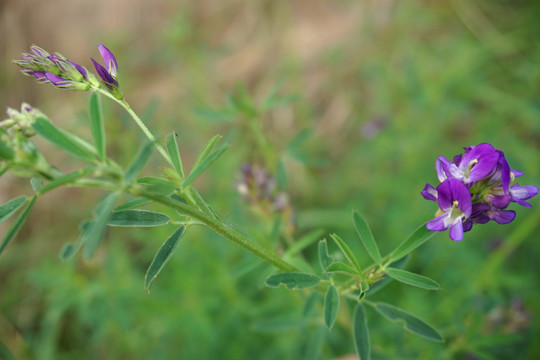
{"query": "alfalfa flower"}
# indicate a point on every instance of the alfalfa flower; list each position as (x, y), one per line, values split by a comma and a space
(108, 75)
(55, 69)
(476, 187)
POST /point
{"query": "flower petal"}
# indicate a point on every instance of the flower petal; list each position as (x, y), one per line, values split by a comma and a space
(501, 216)
(437, 224)
(109, 60)
(456, 231)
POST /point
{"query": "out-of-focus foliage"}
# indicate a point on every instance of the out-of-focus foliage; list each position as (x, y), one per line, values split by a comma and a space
(371, 92)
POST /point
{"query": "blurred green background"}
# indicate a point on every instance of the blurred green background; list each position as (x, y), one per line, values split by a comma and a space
(378, 89)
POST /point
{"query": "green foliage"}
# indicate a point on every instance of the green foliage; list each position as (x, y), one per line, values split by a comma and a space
(205, 159)
(293, 280)
(162, 256)
(412, 279)
(331, 306)
(362, 228)
(137, 218)
(16, 226)
(410, 322)
(361, 333)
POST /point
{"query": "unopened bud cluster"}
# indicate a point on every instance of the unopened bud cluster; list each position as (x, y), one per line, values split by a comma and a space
(62, 73)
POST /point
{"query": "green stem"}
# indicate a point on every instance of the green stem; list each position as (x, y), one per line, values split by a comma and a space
(218, 227)
(193, 195)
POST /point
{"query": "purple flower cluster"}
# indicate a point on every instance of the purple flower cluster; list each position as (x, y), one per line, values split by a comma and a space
(55, 69)
(474, 188)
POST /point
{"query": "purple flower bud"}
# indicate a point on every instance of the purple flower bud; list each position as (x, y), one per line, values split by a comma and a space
(39, 51)
(107, 79)
(80, 69)
(57, 80)
(109, 60)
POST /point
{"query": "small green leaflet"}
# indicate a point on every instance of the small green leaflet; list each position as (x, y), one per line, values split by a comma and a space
(138, 218)
(16, 226)
(361, 333)
(413, 279)
(7, 209)
(365, 235)
(324, 259)
(205, 159)
(347, 252)
(162, 256)
(293, 280)
(174, 154)
(331, 306)
(411, 322)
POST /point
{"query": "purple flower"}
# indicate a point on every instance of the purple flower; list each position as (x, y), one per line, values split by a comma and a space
(476, 187)
(455, 204)
(476, 164)
(108, 75)
(109, 60)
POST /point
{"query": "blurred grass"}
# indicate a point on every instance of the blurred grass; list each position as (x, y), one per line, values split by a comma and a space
(385, 87)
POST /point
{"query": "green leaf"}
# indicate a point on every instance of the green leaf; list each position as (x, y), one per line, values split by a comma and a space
(324, 259)
(346, 250)
(207, 149)
(411, 322)
(361, 333)
(36, 183)
(16, 226)
(421, 235)
(331, 306)
(342, 268)
(97, 228)
(138, 163)
(7, 209)
(366, 237)
(64, 140)
(202, 164)
(412, 279)
(293, 280)
(157, 185)
(174, 154)
(67, 251)
(162, 256)
(138, 218)
(97, 126)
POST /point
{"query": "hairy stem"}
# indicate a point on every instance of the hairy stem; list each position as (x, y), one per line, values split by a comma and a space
(218, 227)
